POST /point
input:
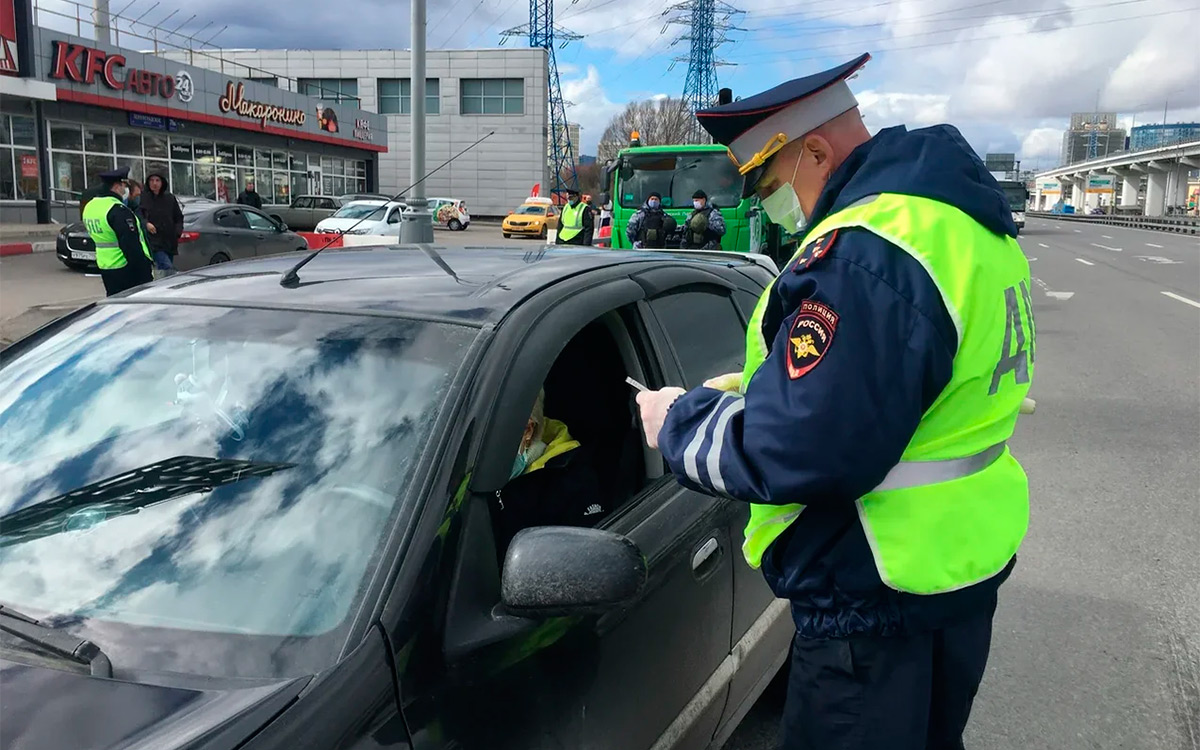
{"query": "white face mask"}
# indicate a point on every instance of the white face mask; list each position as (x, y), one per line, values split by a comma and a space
(783, 206)
(697, 205)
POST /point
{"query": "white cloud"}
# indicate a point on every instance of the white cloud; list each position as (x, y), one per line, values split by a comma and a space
(1042, 144)
(883, 109)
(590, 107)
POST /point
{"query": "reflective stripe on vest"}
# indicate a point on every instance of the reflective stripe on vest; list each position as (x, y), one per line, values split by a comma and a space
(955, 508)
(572, 221)
(108, 249)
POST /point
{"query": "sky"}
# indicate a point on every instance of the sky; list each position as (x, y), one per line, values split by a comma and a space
(1008, 73)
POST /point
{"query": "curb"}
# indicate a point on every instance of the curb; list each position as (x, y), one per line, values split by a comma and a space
(25, 248)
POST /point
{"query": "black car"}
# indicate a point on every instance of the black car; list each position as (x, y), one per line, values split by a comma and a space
(247, 510)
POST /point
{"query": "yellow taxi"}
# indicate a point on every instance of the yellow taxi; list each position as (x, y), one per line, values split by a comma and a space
(533, 218)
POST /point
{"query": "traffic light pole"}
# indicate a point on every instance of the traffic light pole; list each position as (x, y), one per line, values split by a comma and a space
(417, 224)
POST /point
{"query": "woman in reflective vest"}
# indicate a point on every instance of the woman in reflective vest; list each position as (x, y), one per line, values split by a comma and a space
(885, 369)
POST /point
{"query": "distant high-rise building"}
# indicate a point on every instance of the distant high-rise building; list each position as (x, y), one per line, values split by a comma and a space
(1092, 135)
(1152, 136)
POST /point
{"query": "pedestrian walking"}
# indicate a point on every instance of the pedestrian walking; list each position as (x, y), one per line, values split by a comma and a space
(164, 222)
(121, 250)
(250, 197)
(884, 372)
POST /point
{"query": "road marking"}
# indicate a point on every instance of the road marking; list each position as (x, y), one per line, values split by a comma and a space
(1085, 262)
(1157, 259)
(1106, 236)
(1151, 244)
(1184, 300)
(1052, 294)
(1042, 244)
(1077, 231)
(1106, 247)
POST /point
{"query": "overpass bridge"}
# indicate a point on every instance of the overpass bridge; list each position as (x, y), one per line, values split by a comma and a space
(1165, 169)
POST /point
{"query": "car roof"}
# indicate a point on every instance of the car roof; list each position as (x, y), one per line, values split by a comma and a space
(472, 285)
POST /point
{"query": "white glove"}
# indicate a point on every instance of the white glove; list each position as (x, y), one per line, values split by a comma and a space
(637, 245)
(654, 406)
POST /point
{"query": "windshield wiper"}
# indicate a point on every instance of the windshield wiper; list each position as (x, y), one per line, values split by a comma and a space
(57, 642)
(129, 492)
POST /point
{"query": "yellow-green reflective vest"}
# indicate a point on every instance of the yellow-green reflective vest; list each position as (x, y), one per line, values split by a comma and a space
(572, 221)
(954, 510)
(108, 250)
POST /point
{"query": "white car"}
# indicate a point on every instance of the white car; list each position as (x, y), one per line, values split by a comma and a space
(375, 217)
(450, 213)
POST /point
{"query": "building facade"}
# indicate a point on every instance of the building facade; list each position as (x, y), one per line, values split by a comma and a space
(468, 94)
(101, 106)
(1153, 136)
(1092, 135)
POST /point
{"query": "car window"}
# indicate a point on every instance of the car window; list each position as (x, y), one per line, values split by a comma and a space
(225, 476)
(394, 216)
(260, 223)
(303, 203)
(328, 203)
(368, 211)
(232, 218)
(705, 331)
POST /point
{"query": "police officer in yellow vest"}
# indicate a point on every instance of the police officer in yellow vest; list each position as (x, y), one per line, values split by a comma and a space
(575, 224)
(121, 250)
(885, 368)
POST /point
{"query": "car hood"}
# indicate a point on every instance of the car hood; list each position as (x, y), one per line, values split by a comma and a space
(524, 217)
(50, 709)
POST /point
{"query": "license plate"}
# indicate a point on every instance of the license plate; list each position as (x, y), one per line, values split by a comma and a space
(82, 255)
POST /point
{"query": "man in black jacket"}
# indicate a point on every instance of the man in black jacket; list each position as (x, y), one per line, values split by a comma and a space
(164, 222)
(553, 482)
(249, 197)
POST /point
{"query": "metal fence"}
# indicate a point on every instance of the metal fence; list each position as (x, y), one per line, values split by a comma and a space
(1180, 224)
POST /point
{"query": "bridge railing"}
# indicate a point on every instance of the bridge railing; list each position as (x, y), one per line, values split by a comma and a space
(1180, 224)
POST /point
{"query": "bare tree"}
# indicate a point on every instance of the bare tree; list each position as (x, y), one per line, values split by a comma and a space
(657, 121)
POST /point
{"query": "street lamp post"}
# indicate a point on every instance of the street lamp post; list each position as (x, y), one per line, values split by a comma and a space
(417, 224)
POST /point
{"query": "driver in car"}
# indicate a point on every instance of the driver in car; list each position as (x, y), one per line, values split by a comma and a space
(553, 481)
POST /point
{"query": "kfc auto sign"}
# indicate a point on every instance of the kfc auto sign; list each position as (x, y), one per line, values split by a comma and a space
(87, 65)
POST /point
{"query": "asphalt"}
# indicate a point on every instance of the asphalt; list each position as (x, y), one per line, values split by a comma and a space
(1097, 637)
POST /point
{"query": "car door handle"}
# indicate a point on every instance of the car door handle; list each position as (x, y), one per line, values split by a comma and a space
(704, 557)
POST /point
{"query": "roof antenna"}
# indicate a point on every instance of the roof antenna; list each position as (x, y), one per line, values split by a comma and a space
(291, 279)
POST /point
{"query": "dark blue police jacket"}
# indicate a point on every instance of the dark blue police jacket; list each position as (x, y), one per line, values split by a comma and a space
(829, 436)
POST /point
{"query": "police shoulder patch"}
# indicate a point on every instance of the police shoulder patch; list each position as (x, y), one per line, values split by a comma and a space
(809, 337)
(814, 251)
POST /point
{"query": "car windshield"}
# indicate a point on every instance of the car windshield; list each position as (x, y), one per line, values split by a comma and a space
(678, 176)
(532, 210)
(1017, 197)
(372, 211)
(204, 490)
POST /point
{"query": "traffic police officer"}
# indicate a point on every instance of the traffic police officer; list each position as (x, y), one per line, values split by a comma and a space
(885, 368)
(576, 221)
(121, 249)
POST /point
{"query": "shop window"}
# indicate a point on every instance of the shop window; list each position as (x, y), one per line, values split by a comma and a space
(203, 151)
(5, 131)
(395, 96)
(283, 187)
(130, 144)
(205, 182)
(183, 178)
(224, 153)
(268, 80)
(97, 140)
(493, 96)
(8, 179)
(94, 164)
(137, 167)
(330, 89)
(66, 170)
(299, 183)
(181, 148)
(245, 156)
(279, 159)
(243, 176)
(66, 137)
(262, 159)
(227, 185)
(262, 183)
(23, 131)
(156, 146)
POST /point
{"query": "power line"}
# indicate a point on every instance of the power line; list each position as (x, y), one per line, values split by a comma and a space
(858, 44)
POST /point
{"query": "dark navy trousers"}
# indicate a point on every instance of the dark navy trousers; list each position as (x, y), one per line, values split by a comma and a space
(906, 692)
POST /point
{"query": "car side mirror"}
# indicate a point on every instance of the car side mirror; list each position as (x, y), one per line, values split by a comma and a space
(603, 199)
(554, 571)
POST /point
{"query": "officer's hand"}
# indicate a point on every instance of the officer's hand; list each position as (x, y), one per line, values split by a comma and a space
(151, 228)
(730, 382)
(637, 245)
(654, 405)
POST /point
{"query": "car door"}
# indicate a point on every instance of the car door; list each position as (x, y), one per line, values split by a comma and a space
(762, 626)
(301, 214)
(234, 234)
(390, 226)
(628, 678)
(268, 238)
(552, 217)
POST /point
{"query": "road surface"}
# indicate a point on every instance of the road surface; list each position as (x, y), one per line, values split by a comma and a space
(1097, 639)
